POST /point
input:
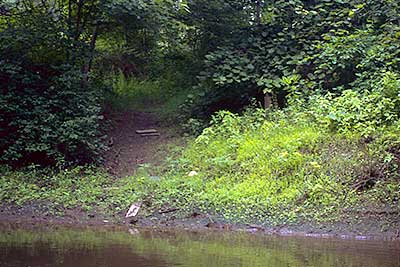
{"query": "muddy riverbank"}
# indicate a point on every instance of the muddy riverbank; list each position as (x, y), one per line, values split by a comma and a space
(371, 227)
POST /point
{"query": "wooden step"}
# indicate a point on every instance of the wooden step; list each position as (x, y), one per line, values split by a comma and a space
(146, 131)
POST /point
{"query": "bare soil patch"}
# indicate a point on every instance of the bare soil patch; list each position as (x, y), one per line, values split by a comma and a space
(129, 150)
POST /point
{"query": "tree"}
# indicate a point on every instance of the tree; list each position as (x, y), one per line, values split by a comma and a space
(50, 101)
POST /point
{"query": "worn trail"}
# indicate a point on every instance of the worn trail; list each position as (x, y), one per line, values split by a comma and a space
(130, 147)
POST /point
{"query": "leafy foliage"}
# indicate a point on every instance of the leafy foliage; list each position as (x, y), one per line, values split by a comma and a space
(308, 47)
(56, 122)
(364, 111)
(334, 65)
(47, 114)
(295, 166)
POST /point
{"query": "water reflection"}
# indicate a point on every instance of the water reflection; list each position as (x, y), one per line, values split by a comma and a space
(90, 247)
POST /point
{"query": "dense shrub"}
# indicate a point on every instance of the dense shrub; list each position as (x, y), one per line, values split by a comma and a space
(48, 112)
(199, 106)
(354, 112)
(47, 119)
(306, 48)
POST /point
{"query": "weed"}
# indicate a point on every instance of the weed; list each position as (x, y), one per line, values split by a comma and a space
(284, 169)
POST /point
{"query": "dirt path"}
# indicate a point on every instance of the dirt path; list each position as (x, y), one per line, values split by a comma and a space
(129, 150)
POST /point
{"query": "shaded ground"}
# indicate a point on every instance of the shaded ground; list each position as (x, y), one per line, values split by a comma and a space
(129, 150)
(42, 213)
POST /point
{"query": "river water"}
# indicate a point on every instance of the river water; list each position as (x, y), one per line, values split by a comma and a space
(136, 248)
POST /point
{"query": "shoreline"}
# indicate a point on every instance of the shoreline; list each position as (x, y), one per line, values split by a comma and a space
(18, 218)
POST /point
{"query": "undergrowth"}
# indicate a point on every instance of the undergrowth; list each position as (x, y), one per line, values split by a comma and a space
(287, 167)
(81, 187)
(283, 170)
(162, 95)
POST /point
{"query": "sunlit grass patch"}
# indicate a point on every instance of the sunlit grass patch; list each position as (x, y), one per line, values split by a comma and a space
(162, 95)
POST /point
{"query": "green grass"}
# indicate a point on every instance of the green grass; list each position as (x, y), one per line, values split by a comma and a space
(139, 93)
(162, 96)
(273, 172)
(286, 169)
(78, 187)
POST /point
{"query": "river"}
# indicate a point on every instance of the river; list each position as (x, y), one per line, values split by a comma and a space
(55, 246)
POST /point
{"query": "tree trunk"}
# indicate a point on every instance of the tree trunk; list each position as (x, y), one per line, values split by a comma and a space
(258, 12)
(267, 101)
(88, 65)
(80, 4)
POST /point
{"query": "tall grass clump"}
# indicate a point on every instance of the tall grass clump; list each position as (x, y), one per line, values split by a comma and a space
(163, 94)
(134, 92)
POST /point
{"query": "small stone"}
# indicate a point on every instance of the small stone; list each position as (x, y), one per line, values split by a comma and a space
(192, 173)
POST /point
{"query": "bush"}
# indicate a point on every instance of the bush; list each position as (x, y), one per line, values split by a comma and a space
(320, 47)
(47, 119)
(202, 103)
(354, 112)
(47, 113)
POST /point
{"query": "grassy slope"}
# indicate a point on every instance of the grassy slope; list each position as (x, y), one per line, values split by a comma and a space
(287, 169)
(275, 172)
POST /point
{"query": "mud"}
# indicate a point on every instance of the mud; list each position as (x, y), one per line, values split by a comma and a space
(38, 214)
(129, 150)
